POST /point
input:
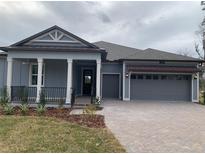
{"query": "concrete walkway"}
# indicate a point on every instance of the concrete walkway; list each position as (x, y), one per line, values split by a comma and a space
(157, 126)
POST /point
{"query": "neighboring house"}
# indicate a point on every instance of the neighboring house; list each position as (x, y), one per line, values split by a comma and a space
(57, 62)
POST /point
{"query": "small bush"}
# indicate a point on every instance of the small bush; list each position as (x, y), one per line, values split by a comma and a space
(61, 103)
(42, 101)
(90, 109)
(4, 97)
(24, 108)
(8, 109)
(41, 110)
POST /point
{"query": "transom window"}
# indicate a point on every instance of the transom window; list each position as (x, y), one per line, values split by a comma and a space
(34, 75)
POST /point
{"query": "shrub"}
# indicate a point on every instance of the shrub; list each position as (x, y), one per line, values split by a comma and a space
(24, 108)
(61, 103)
(8, 109)
(40, 110)
(42, 101)
(90, 109)
(24, 95)
(4, 97)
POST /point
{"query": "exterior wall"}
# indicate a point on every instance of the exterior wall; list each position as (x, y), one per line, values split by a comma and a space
(55, 73)
(112, 68)
(3, 70)
(195, 87)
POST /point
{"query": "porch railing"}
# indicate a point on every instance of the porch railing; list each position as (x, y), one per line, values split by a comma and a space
(21, 93)
(52, 94)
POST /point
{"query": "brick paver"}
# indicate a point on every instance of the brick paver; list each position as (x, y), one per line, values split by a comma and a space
(157, 126)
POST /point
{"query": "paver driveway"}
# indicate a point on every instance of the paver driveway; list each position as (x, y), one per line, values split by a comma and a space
(157, 126)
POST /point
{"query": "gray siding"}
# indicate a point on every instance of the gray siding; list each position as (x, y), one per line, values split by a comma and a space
(55, 73)
(3, 70)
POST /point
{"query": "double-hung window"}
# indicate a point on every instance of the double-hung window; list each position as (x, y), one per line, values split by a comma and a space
(34, 75)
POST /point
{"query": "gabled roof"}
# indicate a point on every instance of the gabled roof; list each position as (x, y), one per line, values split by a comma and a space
(24, 41)
(119, 52)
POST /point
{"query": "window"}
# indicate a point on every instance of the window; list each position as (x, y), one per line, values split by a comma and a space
(140, 77)
(155, 77)
(133, 76)
(178, 77)
(185, 77)
(164, 77)
(34, 75)
(148, 77)
(162, 62)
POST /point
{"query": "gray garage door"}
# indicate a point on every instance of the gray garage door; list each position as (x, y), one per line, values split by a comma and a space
(110, 88)
(160, 87)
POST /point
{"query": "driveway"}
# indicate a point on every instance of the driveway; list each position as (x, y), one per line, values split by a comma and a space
(157, 126)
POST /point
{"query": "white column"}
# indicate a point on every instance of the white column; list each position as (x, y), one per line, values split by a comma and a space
(98, 72)
(69, 81)
(39, 80)
(9, 76)
(123, 82)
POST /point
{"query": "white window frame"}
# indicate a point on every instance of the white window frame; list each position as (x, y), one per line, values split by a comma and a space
(30, 75)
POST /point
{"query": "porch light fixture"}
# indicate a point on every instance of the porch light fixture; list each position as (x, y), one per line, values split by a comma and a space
(127, 75)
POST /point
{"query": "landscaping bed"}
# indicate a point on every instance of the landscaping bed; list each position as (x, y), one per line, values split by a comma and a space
(93, 121)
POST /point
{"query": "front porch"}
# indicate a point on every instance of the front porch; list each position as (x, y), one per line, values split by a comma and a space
(58, 81)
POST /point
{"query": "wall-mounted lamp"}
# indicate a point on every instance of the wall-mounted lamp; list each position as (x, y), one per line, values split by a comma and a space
(127, 75)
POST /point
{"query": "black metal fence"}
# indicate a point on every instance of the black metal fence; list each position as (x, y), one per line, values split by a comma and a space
(22, 93)
(52, 94)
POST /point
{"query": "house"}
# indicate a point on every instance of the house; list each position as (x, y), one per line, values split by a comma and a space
(58, 62)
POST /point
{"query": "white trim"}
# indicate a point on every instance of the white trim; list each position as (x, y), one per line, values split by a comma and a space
(82, 69)
(123, 81)
(108, 73)
(30, 74)
(192, 88)
(9, 75)
(69, 80)
(98, 78)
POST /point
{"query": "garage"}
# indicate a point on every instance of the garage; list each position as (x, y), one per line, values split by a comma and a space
(110, 88)
(168, 87)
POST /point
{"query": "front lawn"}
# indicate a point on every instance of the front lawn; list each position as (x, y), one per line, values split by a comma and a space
(43, 134)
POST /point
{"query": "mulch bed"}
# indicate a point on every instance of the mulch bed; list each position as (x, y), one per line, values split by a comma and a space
(93, 121)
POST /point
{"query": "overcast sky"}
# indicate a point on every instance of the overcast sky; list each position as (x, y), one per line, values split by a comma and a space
(168, 26)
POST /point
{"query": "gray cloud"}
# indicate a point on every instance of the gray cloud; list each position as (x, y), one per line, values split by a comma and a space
(167, 26)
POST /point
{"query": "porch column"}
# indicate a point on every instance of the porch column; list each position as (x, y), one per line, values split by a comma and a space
(39, 79)
(195, 87)
(98, 72)
(9, 76)
(69, 81)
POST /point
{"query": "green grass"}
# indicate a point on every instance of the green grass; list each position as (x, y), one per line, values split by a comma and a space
(41, 134)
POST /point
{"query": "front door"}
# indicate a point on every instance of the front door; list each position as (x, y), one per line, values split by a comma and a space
(87, 81)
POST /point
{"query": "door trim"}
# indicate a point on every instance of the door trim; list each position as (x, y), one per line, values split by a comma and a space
(82, 70)
(108, 73)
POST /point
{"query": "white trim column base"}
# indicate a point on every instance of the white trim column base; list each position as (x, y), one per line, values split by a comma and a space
(69, 81)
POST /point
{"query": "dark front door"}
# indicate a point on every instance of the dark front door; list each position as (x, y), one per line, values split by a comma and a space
(87, 81)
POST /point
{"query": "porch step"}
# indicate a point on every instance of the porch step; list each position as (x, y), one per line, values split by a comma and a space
(76, 111)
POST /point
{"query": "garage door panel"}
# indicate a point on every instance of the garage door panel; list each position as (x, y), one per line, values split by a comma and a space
(172, 90)
(110, 88)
